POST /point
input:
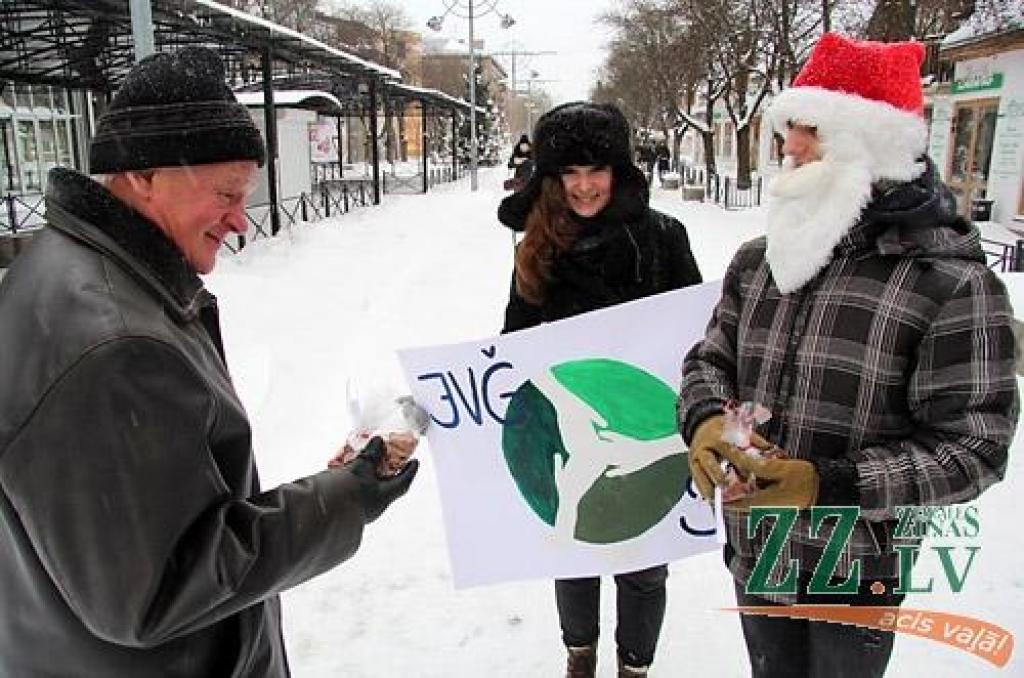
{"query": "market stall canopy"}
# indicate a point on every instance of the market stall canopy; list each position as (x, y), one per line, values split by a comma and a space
(89, 43)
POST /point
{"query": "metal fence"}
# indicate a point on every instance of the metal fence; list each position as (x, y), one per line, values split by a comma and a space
(725, 191)
(328, 199)
(1007, 257)
(445, 173)
(22, 215)
(20, 219)
(407, 184)
(22, 212)
(736, 196)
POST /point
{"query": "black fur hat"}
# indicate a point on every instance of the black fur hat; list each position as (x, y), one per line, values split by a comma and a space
(174, 109)
(581, 133)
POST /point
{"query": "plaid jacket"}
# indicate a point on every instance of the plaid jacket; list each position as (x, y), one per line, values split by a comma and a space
(897, 358)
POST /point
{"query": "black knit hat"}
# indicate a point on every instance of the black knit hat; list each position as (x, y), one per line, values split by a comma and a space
(174, 109)
(581, 133)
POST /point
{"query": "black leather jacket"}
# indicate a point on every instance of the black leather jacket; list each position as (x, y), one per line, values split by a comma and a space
(134, 538)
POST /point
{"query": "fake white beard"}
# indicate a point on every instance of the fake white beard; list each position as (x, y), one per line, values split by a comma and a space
(811, 208)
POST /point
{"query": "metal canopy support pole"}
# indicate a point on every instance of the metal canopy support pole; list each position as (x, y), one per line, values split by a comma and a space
(423, 145)
(75, 140)
(455, 147)
(270, 122)
(374, 151)
(142, 28)
(473, 183)
(341, 153)
(9, 160)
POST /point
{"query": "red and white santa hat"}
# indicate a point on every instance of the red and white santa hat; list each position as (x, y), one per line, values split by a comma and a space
(865, 100)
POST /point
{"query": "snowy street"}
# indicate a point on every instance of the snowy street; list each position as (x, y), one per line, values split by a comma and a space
(329, 302)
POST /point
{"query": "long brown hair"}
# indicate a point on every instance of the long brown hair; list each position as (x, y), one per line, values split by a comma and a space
(549, 230)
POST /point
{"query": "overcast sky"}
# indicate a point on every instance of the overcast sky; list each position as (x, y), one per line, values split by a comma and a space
(563, 26)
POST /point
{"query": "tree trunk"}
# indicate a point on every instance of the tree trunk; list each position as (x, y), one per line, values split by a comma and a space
(892, 21)
(743, 157)
(677, 142)
(709, 155)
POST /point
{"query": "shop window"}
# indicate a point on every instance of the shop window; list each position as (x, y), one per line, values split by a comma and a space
(10, 180)
(63, 139)
(41, 98)
(29, 153)
(60, 100)
(775, 152)
(983, 145)
(7, 94)
(47, 149)
(23, 95)
(973, 133)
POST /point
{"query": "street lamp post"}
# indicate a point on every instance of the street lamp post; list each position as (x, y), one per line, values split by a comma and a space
(473, 149)
(435, 23)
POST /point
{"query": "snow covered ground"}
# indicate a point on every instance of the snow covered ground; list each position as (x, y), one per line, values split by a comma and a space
(331, 301)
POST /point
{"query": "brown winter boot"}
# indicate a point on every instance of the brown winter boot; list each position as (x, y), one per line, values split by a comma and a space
(626, 671)
(581, 662)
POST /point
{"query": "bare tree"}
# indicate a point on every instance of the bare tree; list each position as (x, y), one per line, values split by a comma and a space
(652, 42)
(299, 15)
(379, 31)
(796, 26)
(894, 20)
(388, 26)
(623, 83)
(743, 51)
(657, 63)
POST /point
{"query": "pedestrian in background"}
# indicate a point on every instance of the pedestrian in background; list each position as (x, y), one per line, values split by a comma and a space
(664, 158)
(521, 164)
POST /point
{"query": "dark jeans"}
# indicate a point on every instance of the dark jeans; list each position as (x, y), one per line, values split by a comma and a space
(799, 648)
(640, 606)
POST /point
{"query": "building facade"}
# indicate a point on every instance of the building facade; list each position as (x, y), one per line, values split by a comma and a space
(40, 128)
(976, 131)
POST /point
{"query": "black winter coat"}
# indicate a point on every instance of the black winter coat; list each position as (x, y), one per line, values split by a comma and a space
(134, 538)
(611, 263)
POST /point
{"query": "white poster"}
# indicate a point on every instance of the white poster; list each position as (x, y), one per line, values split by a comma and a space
(556, 447)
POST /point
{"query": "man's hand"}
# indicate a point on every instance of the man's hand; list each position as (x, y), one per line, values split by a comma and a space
(375, 492)
(706, 452)
(780, 482)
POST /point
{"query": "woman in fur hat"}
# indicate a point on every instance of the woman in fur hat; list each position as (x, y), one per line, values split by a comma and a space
(869, 323)
(591, 241)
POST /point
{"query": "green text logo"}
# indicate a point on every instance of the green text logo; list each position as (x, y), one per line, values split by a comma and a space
(913, 523)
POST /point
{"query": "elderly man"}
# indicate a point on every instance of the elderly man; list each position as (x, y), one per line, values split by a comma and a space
(868, 323)
(134, 537)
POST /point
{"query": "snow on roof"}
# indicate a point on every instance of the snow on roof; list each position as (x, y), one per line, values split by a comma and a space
(439, 95)
(287, 97)
(986, 24)
(287, 32)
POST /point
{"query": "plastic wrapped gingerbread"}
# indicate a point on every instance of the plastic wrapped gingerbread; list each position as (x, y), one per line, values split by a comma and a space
(740, 421)
(399, 421)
